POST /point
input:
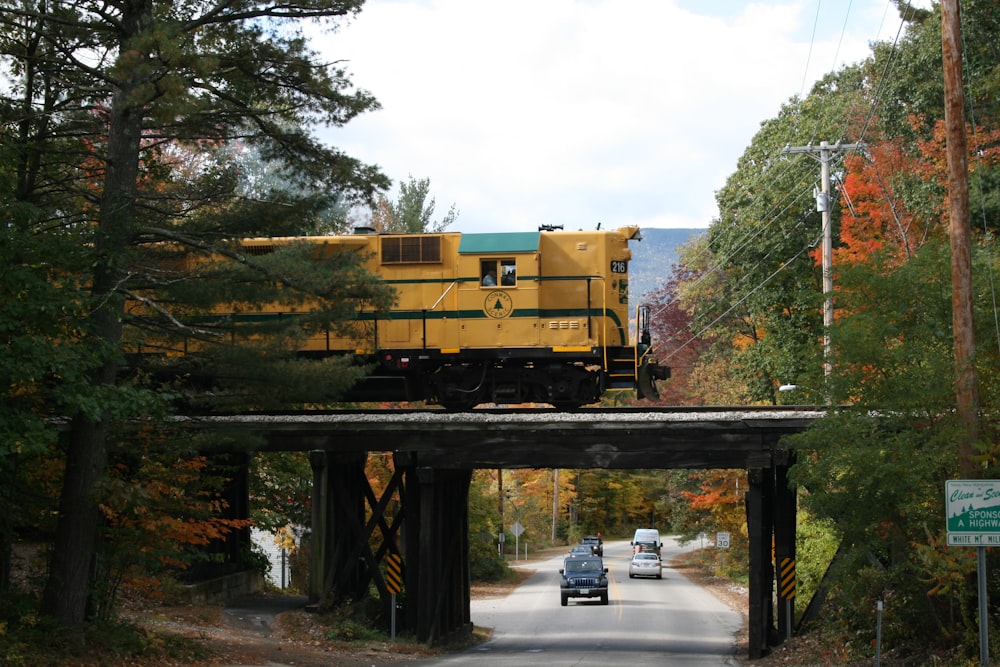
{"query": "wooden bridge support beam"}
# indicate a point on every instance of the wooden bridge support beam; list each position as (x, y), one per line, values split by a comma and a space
(437, 574)
(759, 527)
(237, 494)
(335, 570)
(785, 518)
(228, 551)
(771, 519)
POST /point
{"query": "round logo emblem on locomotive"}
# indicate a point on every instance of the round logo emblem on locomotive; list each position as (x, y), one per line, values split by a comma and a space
(498, 305)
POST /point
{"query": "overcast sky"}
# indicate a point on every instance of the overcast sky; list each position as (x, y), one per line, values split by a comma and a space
(579, 112)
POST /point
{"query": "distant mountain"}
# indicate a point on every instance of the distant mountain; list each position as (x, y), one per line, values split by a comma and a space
(653, 258)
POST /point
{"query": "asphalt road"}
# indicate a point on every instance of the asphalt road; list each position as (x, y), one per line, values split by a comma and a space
(669, 621)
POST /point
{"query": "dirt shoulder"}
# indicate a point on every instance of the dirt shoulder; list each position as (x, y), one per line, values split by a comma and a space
(799, 651)
(275, 630)
(290, 638)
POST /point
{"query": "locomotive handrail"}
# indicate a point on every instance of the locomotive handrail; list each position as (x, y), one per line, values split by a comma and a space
(443, 295)
(641, 336)
(604, 317)
(423, 313)
(604, 321)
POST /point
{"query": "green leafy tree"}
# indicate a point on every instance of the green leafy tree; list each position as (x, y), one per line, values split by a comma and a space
(872, 472)
(763, 310)
(757, 294)
(486, 563)
(160, 513)
(37, 322)
(281, 490)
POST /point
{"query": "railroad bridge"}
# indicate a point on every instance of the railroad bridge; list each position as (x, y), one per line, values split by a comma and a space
(422, 515)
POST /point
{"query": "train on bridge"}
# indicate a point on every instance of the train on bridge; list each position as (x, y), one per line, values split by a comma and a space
(502, 318)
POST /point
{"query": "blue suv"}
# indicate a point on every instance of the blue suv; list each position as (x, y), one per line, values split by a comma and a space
(583, 577)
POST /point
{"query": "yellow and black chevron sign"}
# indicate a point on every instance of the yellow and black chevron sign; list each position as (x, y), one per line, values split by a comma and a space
(786, 587)
(394, 573)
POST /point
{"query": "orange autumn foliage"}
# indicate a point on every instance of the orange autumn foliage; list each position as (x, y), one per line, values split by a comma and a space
(879, 186)
(162, 509)
(721, 497)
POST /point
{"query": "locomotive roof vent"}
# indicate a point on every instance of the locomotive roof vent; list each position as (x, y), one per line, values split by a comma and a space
(549, 228)
(364, 230)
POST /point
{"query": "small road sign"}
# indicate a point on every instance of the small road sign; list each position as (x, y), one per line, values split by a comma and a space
(786, 584)
(722, 540)
(973, 512)
(517, 529)
(394, 573)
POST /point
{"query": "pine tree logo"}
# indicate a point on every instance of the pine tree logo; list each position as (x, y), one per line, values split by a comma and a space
(498, 305)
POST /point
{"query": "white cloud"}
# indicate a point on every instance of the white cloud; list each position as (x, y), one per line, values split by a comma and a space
(583, 111)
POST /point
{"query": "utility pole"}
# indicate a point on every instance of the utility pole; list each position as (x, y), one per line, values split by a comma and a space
(500, 493)
(823, 153)
(966, 391)
(966, 382)
(555, 502)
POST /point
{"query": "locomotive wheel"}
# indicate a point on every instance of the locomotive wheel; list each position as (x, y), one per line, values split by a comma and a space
(454, 397)
(460, 387)
(458, 406)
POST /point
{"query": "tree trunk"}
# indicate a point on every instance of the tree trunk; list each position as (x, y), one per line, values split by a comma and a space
(9, 470)
(68, 587)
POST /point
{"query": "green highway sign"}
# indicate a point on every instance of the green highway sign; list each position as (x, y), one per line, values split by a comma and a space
(973, 511)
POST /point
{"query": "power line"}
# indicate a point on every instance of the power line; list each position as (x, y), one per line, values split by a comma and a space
(777, 209)
(765, 281)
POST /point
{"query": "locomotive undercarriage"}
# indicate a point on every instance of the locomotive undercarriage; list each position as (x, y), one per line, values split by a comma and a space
(484, 377)
(504, 377)
(460, 387)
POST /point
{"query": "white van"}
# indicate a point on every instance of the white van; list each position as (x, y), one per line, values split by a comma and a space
(646, 539)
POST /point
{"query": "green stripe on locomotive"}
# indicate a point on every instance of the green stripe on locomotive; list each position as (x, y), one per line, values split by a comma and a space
(420, 315)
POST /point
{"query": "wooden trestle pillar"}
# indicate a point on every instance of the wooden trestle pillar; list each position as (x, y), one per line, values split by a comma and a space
(771, 518)
(434, 547)
(336, 569)
(437, 532)
(785, 517)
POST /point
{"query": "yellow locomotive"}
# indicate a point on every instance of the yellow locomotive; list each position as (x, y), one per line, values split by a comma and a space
(493, 318)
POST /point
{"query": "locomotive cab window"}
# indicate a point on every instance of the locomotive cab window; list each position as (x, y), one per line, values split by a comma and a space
(502, 272)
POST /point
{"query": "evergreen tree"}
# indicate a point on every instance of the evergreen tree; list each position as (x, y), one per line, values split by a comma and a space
(412, 212)
(108, 104)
